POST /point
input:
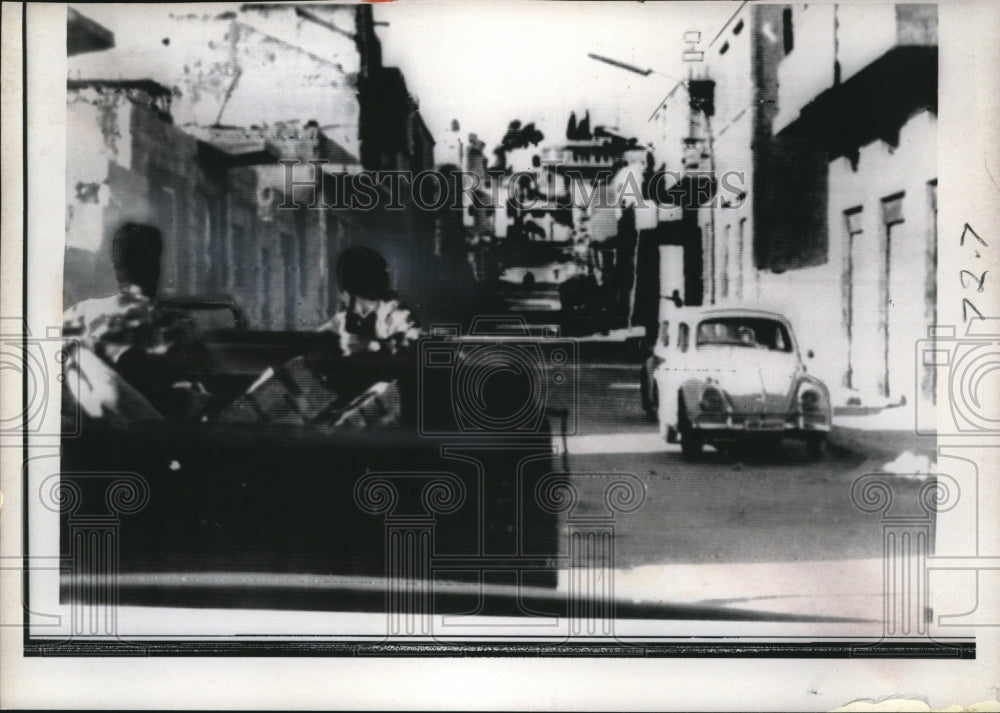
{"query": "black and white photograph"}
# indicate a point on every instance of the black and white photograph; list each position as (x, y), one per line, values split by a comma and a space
(612, 336)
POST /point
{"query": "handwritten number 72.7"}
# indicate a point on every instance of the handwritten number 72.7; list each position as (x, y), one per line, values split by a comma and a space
(978, 282)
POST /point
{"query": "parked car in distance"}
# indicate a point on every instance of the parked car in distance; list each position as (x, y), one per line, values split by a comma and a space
(534, 263)
(721, 375)
(550, 273)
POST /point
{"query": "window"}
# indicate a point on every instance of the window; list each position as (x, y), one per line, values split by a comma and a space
(218, 249)
(853, 228)
(265, 295)
(889, 284)
(683, 336)
(739, 28)
(724, 48)
(751, 332)
(892, 209)
(242, 270)
(242, 249)
(853, 218)
(787, 32)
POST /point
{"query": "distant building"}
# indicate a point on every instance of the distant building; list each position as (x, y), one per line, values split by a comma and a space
(588, 166)
(450, 149)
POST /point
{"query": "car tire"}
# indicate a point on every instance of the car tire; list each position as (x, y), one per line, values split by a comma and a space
(691, 440)
(644, 391)
(650, 396)
(691, 445)
(816, 447)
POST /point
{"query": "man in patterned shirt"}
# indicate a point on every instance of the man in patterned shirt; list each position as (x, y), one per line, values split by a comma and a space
(152, 348)
(371, 317)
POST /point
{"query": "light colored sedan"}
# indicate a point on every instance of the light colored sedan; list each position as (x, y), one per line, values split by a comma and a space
(724, 374)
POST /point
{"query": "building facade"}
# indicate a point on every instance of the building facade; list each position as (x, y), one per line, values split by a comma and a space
(823, 149)
(245, 192)
(872, 105)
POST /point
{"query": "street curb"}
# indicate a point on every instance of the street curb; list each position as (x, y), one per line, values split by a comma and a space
(887, 444)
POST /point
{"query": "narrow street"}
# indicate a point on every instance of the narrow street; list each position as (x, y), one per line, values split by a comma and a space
(748, 506)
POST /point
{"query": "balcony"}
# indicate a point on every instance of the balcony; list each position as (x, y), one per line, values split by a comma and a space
(852, 60)
(886, 75)
(867, 33)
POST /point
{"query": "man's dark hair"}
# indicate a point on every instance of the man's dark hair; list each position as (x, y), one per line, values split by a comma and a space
(362, 272)
(135, 252)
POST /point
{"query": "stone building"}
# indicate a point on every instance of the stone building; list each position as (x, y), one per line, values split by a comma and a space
(187, 132)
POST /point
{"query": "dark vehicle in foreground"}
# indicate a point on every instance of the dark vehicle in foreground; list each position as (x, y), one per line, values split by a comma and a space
(307, 469)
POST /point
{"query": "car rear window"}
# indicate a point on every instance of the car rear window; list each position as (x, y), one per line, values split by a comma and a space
(751, 332)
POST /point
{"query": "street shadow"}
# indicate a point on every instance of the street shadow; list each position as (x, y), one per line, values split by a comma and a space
(752, 453)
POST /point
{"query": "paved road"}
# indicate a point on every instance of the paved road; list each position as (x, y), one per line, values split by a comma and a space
(753, 507)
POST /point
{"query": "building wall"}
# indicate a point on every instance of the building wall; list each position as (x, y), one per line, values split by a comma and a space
(222, 232)
(769, 211)
(143, 170)
(726, 224)
(832, 43)
(220, 64)
(845, 247)
(838, 308)
(808, 68)
(866, 32)
(218, 239)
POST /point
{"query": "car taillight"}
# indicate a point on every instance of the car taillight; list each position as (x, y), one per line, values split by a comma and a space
(809, 400)
(711, 400)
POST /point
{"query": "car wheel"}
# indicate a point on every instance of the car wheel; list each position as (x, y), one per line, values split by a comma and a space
(816, 446)
(647, 405)
(650, 397)
(691, 440)
(691, 444)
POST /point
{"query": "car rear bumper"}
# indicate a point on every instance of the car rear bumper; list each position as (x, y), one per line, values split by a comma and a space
(795, 425)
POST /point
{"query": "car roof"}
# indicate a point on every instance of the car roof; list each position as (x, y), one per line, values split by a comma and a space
(693, 313)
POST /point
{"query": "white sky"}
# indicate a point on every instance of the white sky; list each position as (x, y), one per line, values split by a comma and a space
(485, 63)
